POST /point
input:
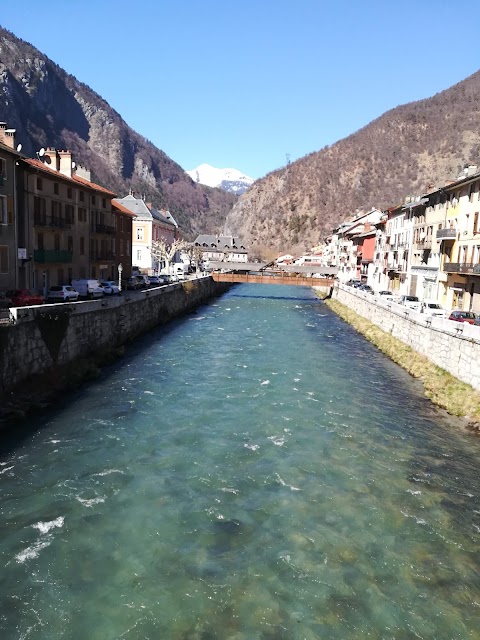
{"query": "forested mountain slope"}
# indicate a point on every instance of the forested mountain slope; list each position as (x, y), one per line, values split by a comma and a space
(403, 152)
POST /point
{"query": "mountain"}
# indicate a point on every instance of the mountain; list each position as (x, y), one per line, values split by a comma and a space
(50, 108)
(230, 180)
(405, 151)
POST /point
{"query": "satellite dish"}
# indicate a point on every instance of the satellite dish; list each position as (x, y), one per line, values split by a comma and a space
(74, 165)
(19, 147)
(41, 153)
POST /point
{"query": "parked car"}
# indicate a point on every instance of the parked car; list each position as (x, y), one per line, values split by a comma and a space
(143, 280)
(62, 293)
(411, 302)
(110, 286)
(353, 283)
(156, 281)
(433, 309)
(385, 295)
(131, 284)
(365, 288)
(24, 298)
(88, 288)
(463, 316)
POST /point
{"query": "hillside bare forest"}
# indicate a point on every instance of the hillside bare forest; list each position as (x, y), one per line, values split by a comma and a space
(404, 152)
(50, 108)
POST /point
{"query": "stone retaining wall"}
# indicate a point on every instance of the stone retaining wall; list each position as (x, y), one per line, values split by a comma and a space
(46, 338)
(452, 346)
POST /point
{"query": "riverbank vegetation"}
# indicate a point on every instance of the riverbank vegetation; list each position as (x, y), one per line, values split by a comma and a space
(443, 389)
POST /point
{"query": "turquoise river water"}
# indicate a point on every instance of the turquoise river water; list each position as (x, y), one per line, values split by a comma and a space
(256, 470)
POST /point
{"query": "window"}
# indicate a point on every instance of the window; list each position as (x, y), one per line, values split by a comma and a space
(39, 184)
(69, 213)
(121, 247)
(3, 210)
(3, 259)
(56, 242)
(82, 214)
(127, 247)
(121, 223)
(69, 192)
(81, 196)
(139, 255)
(94, 200)
(55, 188)
(104, 203)
(3, 171)
(40, 241)
(70, 243)
(82, 246)
(140, 233)
(471, 192)
(60, 276)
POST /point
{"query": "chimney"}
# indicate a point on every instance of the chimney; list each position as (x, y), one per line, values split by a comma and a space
(81, 172)
(65, 163)
(52, 158)
(7, 136)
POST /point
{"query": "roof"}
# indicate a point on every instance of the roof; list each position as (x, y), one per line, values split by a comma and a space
(37, 164)
(119, 207)
(219, 243)
(136, 206)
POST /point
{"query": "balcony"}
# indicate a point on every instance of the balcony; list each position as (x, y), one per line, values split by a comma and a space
(103, 228)
(43, 256)
(423, 245)
(462, 267)
(52, 222)
(446, 234)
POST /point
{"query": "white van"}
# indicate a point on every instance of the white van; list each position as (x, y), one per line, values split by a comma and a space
(180, 269)
(88, 288)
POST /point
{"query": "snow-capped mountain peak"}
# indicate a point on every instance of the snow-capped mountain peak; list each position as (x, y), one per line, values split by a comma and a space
(227, 179)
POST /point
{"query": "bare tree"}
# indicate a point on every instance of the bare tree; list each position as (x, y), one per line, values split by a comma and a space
(161, 250)
(195, 254)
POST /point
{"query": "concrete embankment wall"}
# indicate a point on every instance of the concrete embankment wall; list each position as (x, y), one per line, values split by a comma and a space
(452, 346)
(44, 340)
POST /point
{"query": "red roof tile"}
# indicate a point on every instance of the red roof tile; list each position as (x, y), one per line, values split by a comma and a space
(122, 209)
(37, 164)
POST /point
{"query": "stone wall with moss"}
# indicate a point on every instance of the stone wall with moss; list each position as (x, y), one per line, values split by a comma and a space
(44, 340)
(455, 347)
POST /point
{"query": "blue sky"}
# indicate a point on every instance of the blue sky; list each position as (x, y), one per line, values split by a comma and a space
(246, 84)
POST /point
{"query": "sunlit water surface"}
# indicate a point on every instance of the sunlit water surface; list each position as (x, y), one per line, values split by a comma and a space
(255, 470)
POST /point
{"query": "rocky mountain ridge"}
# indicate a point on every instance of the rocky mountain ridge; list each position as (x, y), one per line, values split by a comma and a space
(50, 108)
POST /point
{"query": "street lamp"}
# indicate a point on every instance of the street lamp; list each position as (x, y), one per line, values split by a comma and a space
(120, 269)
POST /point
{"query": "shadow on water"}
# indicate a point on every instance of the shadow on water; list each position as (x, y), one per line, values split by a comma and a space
(15, 431)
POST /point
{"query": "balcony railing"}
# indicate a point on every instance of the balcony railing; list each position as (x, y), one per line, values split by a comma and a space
(446, 234)
(103, 228)
(53, 222)
(423, 245)
(462, 267)
(43, 256)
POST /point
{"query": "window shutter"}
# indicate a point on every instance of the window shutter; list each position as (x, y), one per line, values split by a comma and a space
(3, 259)
(10, 209)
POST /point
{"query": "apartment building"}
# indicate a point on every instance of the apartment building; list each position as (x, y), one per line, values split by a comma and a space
(10, 257)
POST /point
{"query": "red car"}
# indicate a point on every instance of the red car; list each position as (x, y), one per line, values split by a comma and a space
(462, 316)
(24, 298)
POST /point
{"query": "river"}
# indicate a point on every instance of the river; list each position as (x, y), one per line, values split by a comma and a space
(256, 470)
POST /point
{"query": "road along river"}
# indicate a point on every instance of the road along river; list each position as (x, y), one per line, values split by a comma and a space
(254, 470)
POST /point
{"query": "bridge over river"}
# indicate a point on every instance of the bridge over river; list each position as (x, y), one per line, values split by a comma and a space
(261, 273)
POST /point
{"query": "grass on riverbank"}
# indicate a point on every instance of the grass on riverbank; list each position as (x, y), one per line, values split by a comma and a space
(443, 389)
